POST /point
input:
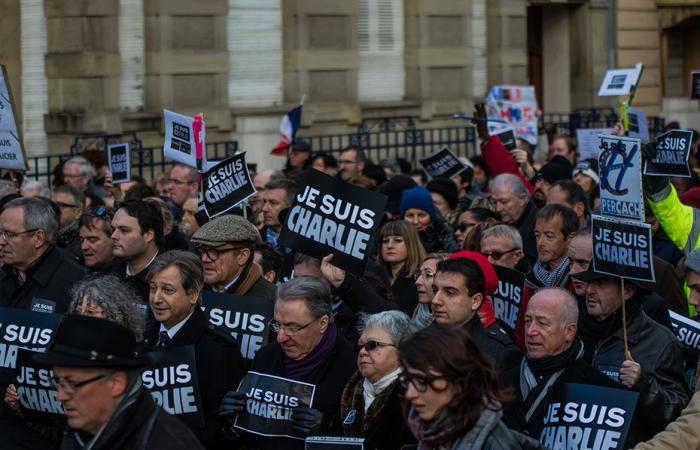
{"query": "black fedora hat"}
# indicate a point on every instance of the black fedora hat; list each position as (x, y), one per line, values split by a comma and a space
(591, 275)
(83, 341)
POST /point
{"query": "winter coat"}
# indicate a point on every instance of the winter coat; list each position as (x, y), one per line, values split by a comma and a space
(681, 434)
(495, 343)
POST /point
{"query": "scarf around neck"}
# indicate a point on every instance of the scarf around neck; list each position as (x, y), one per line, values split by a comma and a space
(541, 276)
(300, 369)
(370, 390)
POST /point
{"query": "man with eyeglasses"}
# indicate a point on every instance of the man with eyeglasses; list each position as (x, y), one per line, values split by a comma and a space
(351, 163)
(98, 380)
(71, 202)
(503, 246)
(183, 182)
(226, 246)
(35, 274)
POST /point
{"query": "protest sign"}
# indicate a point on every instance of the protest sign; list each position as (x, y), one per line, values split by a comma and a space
(638, 125)
(507, 138)
(517, 105)
(587, 139)
(20, 328)
(334, 443)
(269, 404)
(506, 299)
(695, 85)
(246, 318)
(617, 82)
(37, 396)
(622, 248)
(226, 185)
(119, 159)
(179, 138)
(331, 216)
(620, 177)
(586, 416)
(687, 330)
(12, 155)
(672, 150)
(171, 379)
(443, 163)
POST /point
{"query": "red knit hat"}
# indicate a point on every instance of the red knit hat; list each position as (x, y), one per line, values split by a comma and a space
(487, 270)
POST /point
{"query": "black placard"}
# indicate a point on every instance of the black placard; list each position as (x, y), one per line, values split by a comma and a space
(622, 248)
(687, 330)
(507, 138)
(246, 318)
(442, 163)
(334, 443)
(37, 397)
(672, 150)
(506, 299)
(695, 85)
(226, 185)
(172, 381)
(269, 404)
(20, 328)
(118, 157)
(331, 216)
(587, 416)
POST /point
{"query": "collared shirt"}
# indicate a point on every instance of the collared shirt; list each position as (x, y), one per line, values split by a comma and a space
(175, 328)
(227, 286)
(128, 268)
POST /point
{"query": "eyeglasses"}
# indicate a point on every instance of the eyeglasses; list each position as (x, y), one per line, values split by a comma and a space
(372, 345)
(426, 275)
(498, 255)
(70, 387)
(178, 182)
(421, 383)
(276, 327)
(214, 253)
(464, 226)
(65, 205)
(7, 235)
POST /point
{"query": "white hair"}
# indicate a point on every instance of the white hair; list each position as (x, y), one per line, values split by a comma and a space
(35, 186)
(510, 182)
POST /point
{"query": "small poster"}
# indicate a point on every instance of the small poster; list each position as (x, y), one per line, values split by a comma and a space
(118, 157)
(443, 163)
(687, 330)
(172, 381)
(672, 151)
(517, 105)
(587, 139)
(638, 125)
(622, 248)
(12, 154)
(506, 299)
(334, 443)
(507, 138)
(179, 138)
(333, 217)
(246, 318)
(269, 404)
(620, 168)
(695, 85)
(226, 185)
(37, 396)
(617, 82)
(586, 416)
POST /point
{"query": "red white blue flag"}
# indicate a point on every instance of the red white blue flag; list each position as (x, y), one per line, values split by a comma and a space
(288, 128)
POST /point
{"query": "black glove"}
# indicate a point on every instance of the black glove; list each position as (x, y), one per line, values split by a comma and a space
(306, 421)
(651, 184)
(232, 403)
(648, 151)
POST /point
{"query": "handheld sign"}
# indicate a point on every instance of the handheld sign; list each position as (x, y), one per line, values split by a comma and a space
(586, 416)
(620, 178)
(506, 299)
(119, 159)
(442, 163)
(37, 396)
(622, 248)
(587, 139)
(226, 185)
(517, 105)
(638, 125)
(20, 328)
(179, 138)
(246, 318)
(12, 154)
(695, 85)
(331, 216)
(672, 150)
(172, 380)
(334, 443)
(269, 404)
(687, 330)
(617, 82)
(507, 138)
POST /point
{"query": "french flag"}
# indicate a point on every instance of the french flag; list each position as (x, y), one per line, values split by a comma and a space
(288, 128)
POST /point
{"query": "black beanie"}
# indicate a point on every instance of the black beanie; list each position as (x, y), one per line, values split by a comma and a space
(445, 187)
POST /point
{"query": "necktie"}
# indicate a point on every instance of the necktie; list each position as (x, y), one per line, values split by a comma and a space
(163, 339)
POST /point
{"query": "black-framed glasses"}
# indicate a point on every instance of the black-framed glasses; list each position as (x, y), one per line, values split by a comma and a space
(498, 255)
(421, 383)
(276, 327)
(70, 387)
(372, 345)
(465, 226)
(7, 235)
(214, 253)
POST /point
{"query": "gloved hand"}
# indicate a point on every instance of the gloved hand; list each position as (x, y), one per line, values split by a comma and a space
(306, 421)
(648, 151)
(232, 403)
(651, 183)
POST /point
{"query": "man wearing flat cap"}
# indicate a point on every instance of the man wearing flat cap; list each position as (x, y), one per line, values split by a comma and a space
(227, 246)
(98, 380)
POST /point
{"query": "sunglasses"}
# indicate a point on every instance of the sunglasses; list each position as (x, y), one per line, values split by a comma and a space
(371, 345)
(498, 255)
(465, 226)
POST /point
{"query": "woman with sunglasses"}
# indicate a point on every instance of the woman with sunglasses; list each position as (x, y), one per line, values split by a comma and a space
(372, 400)
(454, 394)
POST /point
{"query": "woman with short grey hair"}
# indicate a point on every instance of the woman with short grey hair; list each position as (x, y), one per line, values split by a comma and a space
(371, 403)
(108, 298)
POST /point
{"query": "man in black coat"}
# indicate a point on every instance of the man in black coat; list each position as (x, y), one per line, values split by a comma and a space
(35, 274)
(98, 380)
(310, 349)
(176, 280)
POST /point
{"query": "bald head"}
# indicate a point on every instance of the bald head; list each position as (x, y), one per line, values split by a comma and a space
(550, 322)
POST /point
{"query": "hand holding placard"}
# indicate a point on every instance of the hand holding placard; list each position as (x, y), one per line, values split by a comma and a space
(630, 372)
(334, 274)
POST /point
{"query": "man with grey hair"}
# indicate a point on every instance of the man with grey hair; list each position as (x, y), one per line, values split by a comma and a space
(554, 356)
(502, 245)
(78, 172)
(183, 182)
(35, 274)
(34, 188)
(512, 201)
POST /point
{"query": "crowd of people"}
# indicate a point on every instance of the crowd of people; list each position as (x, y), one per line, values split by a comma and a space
(410, 353)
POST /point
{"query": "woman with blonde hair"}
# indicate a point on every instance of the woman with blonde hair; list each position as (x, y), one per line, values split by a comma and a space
(423, 315)
(401, 253)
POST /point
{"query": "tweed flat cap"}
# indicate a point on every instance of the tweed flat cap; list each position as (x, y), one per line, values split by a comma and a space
(226, 228)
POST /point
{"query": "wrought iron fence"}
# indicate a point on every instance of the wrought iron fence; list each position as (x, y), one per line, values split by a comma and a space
(593, 118)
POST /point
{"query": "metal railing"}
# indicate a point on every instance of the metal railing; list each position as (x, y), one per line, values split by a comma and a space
(593, 118)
